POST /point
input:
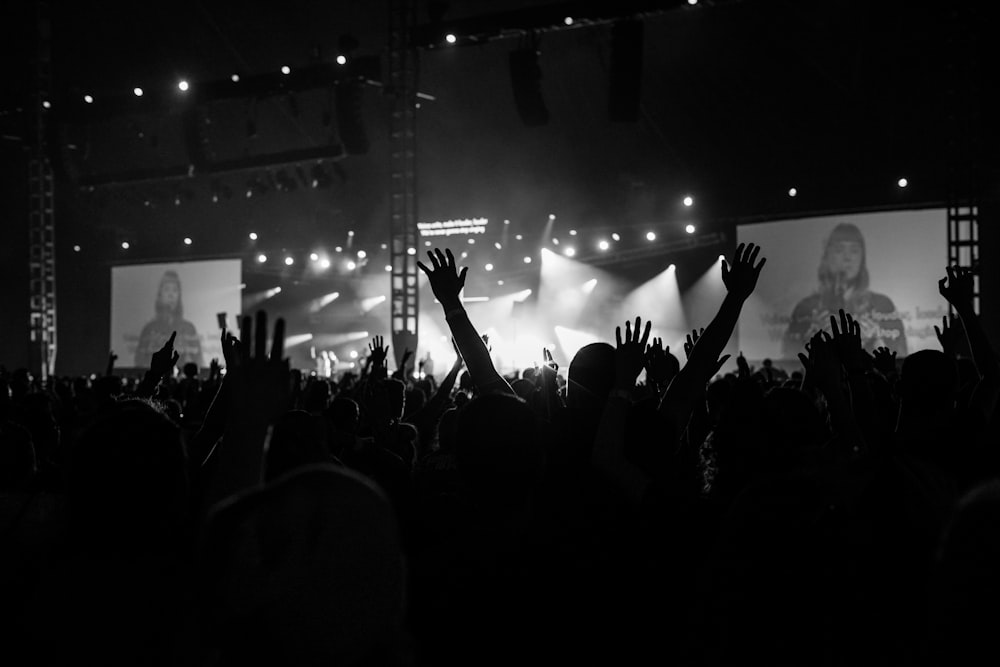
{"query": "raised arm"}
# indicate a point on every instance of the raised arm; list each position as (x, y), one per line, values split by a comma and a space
(957, 288)
(740, 279)
(447, 283)
(162, 362)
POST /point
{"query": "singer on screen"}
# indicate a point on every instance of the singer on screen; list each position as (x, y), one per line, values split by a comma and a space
(843, 283)
(169, 318)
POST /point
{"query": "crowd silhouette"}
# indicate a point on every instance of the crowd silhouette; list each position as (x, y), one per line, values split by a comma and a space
(847, 513)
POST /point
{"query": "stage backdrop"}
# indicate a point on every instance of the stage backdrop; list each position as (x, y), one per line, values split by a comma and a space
(150, 301)
(882, 267)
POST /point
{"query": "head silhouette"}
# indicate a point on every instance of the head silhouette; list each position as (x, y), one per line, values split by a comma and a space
(591, 376)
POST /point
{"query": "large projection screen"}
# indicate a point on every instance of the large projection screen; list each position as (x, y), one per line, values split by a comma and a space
(150, 301)
(882, 267)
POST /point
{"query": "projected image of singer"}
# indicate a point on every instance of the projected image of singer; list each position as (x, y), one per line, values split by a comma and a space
(843, 283)
(169, 318)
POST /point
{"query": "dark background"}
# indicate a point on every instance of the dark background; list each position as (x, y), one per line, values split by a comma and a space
(740, 101)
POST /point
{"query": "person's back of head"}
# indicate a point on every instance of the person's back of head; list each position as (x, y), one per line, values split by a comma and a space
(395, 392)
(190, 370)
(591, 376)
(344, 415)
(128, 487)
(496, 446)
(298, 439)
(523, 388)
(928, 381)
(317, 396)
(414, 400)
(306, 570)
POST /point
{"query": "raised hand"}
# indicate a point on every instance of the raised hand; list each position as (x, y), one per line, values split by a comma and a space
(822, 362)
(446, 281)
(740, 278)
(948, 337)
(629, 353)
(164, 359)
(847, 343)
(110, 369)
(691, 340)
(885, 361)
(264, 386)
(379, 352)
(661, 366)
(958, 287)
(231, 351)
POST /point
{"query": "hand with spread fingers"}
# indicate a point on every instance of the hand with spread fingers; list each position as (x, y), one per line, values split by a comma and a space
(629, 353)
(661, 366)
(740, 277)
(445, 279)
(885, 361)
(691, 340)
(958, 287)
(264, 379)
(847, 343)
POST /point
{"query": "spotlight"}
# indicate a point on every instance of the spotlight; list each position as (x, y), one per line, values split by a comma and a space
(427, 243)
(650, 236)
(570, 251)
(568, 20)
(506, 222)
(314, 257)
(464, 255)
(362, 254)
(902, 182)
(341, 60)
(603, 245)
(285, 69)
(125, 245)
(689, 229)
(338, 249)
(572, 232)
(289, 261)
(616, 237)
(500, 282)
(498, 246)
(384, 246)
(235, 78)
(353, 354)
(450, 38)
(692, 2)
(552, 216)
(555, 241)
(351, 265)
(89, 99)
(411, 251)
(792, 192)
(519, 237)
(253, 236)
(182, 85)
(76, 248)
(137, 91)
(488, 267)
(721, 257)
(350, 232)
(388, 267)
(324, 263)
(472, 241)
(187, 240)
(261, 258)
(672, 267)
(527, 260)
(689, 201)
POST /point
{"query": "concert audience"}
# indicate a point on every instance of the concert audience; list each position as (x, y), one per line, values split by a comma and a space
(846, 514)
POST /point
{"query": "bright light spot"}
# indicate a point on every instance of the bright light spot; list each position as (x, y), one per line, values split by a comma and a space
(689, 229)
(350, 232)
(411, 251)
(555, 241)
(89, 99)
(289, 261)
(568, 20)
(792, 192)
(519, 237)
(261, 258)
(572, 232)
(427, 243)
(672, 267)
(464, 255)
(341, 59)
(450, 38)
(489, 267)
(522, 295)
(603, 245)
(314, 257)
(354, 354)
(351, 265)
(47, 104)
(76, 248)
(552, 216)
(187, 240)
(285, 69)
(689, 200)
(650, 236)
(569, 251)
(362, 254)
(384, 246)
(125, 245)
(506, 222)
(388, 267)
(235, 78)
(527, 260)
(721, 257)
(902, 182)
(371, 302)
(616, 237)
(338, 249)
(182, 85)
(692, 2)
(589, 286)
(472, 241)
(500, 282)
(253, 236)
(498, 246)
(137, 91)
(324, 263)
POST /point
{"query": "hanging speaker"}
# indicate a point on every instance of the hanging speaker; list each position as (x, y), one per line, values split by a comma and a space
(526, 80)
(625, 84)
